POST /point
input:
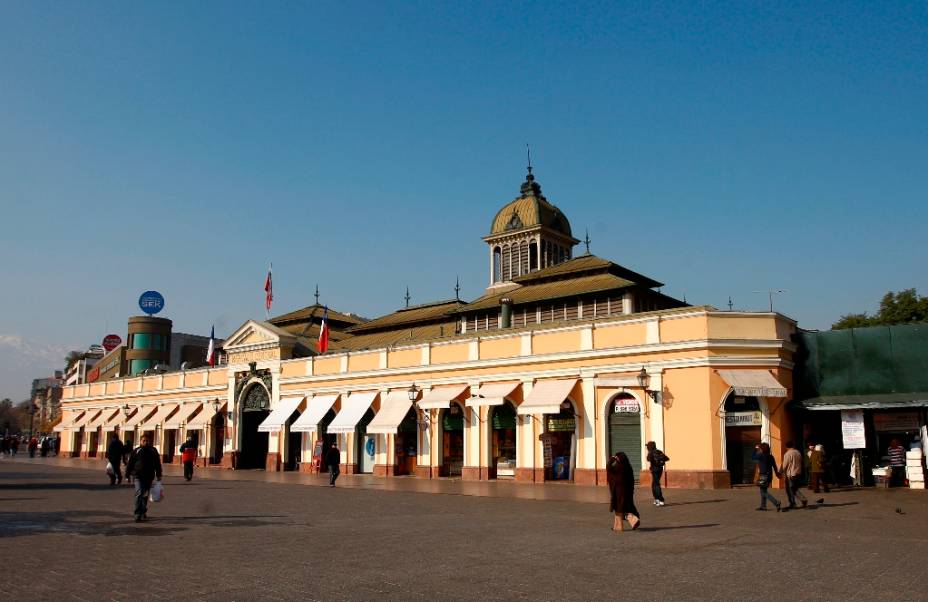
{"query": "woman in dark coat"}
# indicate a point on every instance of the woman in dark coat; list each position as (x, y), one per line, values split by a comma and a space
(621, 480)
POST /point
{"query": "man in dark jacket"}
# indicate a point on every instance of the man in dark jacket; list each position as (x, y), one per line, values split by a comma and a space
(656, 460)
(188, 455)
(145, 465)
(114, 454)
(332, 459)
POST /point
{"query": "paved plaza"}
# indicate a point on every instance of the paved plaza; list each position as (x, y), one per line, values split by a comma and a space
(256, 536)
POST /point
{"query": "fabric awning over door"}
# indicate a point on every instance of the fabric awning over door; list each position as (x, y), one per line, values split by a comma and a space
(753, 383)
(492, 394)
(68, 418)
(392, 411)
(183, 415)
(441, 397)
(114, 421)
(84, 420)
(316, 409)
(204, 417)
(353, 408)
(279, 415)
(102, 418)
(140, 415)
(546, 396)
(158, 417)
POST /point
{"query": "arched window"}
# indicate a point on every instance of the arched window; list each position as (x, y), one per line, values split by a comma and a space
(523, 258)
(496, 264)
(516, 260)
(532, 256)
(507, 263)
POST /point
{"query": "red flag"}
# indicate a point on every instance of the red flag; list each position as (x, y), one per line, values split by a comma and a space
(324, 332)
(268, 289)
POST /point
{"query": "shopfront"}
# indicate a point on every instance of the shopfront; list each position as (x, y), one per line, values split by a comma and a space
(503, 441)
(406, 444)
(625, 429)
(452, 440)
(742, 433)
(559, 443)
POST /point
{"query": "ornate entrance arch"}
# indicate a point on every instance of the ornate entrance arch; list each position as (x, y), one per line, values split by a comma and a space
(254, 406)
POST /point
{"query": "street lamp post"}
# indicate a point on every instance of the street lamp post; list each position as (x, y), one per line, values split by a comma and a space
(644, 379)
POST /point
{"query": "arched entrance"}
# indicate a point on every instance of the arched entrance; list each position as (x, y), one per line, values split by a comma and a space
(560, 443)
(367, 444)
(294, 444)
(503, 441)
(255, 403)
(406, 444)
(452, 440)
(217, 434)
(743, 420)
(624, 420)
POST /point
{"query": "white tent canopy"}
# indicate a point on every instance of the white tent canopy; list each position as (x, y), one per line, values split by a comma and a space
(547, 395)
(393, 410)
(492, 394)
(316, 409)
(353, 409)
(276, 419)
(441, 397)
(753, 383)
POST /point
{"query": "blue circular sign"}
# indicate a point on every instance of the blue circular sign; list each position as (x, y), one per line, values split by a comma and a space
(151, 302)
(369, 446)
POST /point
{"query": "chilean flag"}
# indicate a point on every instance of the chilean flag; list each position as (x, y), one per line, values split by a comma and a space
(268, 290)
(324, 332)
(211, 350)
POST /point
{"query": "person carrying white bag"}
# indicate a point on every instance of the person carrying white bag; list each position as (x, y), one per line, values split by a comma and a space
(145, 465)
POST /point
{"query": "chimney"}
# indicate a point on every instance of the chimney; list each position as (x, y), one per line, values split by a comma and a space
(505, 320)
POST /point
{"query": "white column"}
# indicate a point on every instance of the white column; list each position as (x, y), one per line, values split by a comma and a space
(526, 444)
(588, 424)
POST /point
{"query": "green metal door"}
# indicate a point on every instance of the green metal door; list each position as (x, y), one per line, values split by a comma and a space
(625, 436)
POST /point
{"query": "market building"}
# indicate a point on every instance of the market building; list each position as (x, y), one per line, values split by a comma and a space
(566, 359)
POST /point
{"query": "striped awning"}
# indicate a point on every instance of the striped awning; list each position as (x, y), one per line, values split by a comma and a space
(547, 395)
(753, 383)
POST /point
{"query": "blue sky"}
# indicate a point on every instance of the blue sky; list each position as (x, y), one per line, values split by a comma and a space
(720, 148)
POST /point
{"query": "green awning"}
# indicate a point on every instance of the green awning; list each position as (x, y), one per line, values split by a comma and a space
(880, 401)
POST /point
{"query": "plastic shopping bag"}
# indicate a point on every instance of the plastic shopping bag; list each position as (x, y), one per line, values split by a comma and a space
(109, 468)
(157, 492)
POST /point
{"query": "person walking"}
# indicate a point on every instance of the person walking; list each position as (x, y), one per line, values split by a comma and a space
(896, 463)
(188, 455)
(14, 446)
(33, 446)
(791, 468)
(56, 444)
(766, 468)
(145, 466)
(44, 447)
(621, 479)
(816, 468)
(333, 458)
(656, 460)
(114, 454)
(126, 452)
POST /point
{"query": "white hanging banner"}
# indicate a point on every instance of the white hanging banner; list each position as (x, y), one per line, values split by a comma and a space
(852, 429)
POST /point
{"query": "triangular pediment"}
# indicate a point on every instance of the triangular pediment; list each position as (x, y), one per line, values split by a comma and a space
(254, 332)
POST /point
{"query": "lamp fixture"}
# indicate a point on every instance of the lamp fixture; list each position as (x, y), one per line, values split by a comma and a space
(644, 379)
(413, 393)
(125, 409)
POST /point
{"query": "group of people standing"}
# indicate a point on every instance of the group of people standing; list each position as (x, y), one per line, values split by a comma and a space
(10, 444)
(620, 476)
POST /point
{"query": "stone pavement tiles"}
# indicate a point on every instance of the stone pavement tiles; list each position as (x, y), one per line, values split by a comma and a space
(69, 536)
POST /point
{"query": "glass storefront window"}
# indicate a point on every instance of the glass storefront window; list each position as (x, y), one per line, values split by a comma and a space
(139, 366)
(142, 340)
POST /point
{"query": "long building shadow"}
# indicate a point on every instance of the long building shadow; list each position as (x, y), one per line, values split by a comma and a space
(55, 486)
(670, 527)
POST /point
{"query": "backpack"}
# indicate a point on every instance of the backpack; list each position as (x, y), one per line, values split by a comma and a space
(657, 459)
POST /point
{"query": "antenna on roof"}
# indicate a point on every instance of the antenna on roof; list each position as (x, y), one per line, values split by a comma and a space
(684, 297)
(730, 304)
(587, 241)
(528, 152)
(457, 288)
(407, 296)
(317, 294)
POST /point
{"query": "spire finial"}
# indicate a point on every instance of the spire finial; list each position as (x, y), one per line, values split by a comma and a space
(407, 296)
(457, 288)
(528, 152)
(587, 241)
(530, 187)
(317, 294)
(730, 304)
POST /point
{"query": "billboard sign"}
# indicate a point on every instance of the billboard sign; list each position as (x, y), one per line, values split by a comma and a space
(151, 302)
(111, 341)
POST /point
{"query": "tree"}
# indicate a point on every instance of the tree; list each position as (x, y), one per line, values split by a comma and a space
(9, 417)
(71, 358)
(903, 307)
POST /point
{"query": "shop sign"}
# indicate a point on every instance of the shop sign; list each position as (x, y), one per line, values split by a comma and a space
(894, 422)
(111, 341)
(151, 302)
(852, 429)
(742, 418)
(561, 424)
(626, 406)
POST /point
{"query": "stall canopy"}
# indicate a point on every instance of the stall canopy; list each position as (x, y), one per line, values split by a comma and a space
(316, 409)
(67, 420)
(492, 394)
(753, 383)
(102, 418)
(866, 402)
(392, 411)
(158, 417)
(141, 413)
(183, 415)
(84, 420)
(546, 396)
(279, 415)
(441, 397)
(204, 417)
(353, 408)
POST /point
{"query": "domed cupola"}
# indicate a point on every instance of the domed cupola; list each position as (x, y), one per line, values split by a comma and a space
(527, 234)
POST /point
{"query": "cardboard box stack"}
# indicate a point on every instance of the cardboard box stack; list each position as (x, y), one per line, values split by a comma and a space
(915, 468)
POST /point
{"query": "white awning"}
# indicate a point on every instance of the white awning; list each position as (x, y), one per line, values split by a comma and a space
(441, 397)
(158, 417)
(102, 418)
(84, 420)
(183, 415)
(279, 415)
(67, 419)
(491, 394)
(200, 421)
(141, 413)
(353, 408)
(546, 396)
(393, 410)
(316, 409)
(753, 383)
(114, 421)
